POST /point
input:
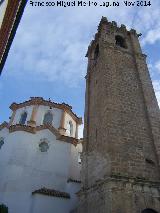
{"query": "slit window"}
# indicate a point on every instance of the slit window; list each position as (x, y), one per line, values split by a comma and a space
(79, 157)
(96, 52)
(1, 142)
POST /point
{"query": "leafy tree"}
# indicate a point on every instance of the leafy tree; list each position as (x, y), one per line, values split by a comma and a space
(3, 208)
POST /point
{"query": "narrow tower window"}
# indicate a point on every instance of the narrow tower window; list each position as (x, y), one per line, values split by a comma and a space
(96, 52)
(79, 157)
(1, 142)
(70, 128)
(48, 118)
(120, 41)
(23, 118)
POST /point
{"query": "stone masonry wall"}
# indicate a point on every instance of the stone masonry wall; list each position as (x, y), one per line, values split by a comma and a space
(122, 127)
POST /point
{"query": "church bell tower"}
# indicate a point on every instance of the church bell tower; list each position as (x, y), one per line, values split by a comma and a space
(121, 156)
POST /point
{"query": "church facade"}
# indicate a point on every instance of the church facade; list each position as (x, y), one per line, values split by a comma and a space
(40, 158)
(121, 152)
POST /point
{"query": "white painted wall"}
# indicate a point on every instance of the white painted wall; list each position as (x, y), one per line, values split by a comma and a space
(24, 168)
(2, 11)
(43, 204)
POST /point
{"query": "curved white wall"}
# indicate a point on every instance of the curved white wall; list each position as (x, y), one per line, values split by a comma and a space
(24, 168)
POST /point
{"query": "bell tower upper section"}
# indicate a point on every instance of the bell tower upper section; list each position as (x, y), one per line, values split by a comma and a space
(122, 120)
(112, 36)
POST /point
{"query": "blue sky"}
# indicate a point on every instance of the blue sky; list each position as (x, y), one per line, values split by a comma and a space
(47, 57)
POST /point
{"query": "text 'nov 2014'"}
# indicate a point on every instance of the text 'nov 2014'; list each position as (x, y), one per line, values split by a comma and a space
(80, 3)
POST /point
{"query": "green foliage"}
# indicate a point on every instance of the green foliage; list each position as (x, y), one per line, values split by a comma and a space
(3, 208)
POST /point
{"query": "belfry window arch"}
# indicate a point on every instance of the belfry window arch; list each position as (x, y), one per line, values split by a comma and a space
(120, 41)
(48, 118)
(23, 118)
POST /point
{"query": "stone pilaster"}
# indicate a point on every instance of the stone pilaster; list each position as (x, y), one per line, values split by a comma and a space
(61, 129)
(76, 134)
(12, 117)
(32, 121)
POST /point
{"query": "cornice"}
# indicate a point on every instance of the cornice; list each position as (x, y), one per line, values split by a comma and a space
(73, 180)
(49, 127)
(34, 130)
(41, 101)
(121, 179)
(20, 127)
(51, 192)
(67, 139)
(3, 125)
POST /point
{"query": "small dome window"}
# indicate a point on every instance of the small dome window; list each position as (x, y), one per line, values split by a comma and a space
(70, 128)
(1, 142)
(43, 146)
(23, 118)
(48, 118)
(96, 52)
(120, 41)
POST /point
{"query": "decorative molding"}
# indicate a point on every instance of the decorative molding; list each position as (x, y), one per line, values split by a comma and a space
(41, 101)
(20, 127)
(52, 193)
(68, 139)
(33, 130)
(31, 123)
(73, 180)
(3, 125)
(121, 179)
(62, 131)
(50, 127)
